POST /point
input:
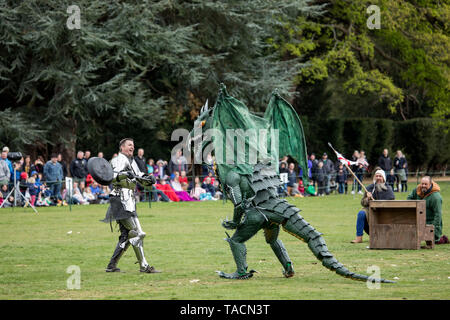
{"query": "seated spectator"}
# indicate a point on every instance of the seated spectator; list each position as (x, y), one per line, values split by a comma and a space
(208, 186)
(87, 194)
(217, 192)
(106, 192)
(197, 190)
(97, 191)
(9, 201)
(168, 190)
(193, 184)
(78, 198)
(183, 180)
(379, 190)
(310, 190)
(158, 195)
(210, 176)
(301, 187)
(4, 190)
(183, 195)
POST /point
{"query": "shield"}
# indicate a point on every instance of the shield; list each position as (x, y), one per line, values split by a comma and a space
(101, 170)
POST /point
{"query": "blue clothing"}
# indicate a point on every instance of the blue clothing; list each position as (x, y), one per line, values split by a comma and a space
(96, 190)
(53, 172)
(55, 189)
(341, 187)
(292, 178)
(11, 169)
(32, 189)
(361, 223)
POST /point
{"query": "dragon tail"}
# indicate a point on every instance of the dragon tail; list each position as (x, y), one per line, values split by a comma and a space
(299, 228)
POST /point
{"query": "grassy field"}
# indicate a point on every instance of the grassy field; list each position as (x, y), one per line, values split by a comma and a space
(185, 241)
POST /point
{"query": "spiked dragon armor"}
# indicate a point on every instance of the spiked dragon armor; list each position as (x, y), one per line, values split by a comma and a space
(253, 187)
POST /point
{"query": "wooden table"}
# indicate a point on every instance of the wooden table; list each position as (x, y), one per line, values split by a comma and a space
(399, 224)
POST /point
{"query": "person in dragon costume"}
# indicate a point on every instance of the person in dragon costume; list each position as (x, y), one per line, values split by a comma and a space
(252, 186)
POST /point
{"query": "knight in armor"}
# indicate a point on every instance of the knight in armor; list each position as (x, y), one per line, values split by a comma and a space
(123, 207)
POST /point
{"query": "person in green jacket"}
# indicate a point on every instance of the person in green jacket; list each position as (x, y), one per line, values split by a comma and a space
(428, 190)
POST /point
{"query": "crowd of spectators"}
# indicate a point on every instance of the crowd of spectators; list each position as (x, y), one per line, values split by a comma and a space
(43, 183)
(326, 177)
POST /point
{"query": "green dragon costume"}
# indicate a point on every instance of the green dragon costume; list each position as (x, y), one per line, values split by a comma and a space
(253, 186)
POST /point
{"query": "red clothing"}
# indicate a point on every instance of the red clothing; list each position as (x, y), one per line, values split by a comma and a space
(168, 191)
(212, 179)
(183, 180)
(89, 180)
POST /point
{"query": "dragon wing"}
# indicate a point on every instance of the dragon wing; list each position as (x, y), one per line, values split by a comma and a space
(283, 117)
(232, 116)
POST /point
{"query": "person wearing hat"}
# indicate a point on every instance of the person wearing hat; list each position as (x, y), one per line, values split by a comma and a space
(378, 190)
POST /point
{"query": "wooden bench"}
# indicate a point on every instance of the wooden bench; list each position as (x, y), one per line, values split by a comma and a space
(399, 224)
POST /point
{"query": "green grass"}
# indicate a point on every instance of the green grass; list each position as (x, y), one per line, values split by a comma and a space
(185, 241)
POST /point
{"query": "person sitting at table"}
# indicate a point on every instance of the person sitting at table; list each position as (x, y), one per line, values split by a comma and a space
(378, 190)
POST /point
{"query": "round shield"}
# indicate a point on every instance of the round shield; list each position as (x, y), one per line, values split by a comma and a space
(101, 170)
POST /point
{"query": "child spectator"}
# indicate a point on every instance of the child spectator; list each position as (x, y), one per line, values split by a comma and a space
(89, 180)
(310, 190)
(211, 178)
(390, 179)
(341, 178)
(176, 185)
(77, 196)
(301, 187)
(32, 190)
(207, 185)
(87, 194)
(183, 180)
(151, 167)
(217, 193)
(197, 190)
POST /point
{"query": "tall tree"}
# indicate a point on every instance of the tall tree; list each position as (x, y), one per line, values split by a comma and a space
(142, 65)
(400, 70)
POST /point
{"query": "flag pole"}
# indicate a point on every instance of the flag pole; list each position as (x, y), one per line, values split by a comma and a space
(348, 168)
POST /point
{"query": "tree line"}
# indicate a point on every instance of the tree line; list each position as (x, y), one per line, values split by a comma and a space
(143, 68)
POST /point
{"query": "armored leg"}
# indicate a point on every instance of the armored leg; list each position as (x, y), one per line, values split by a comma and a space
(271, 235)
(136, 239)
(238, 249)
(122, 246)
